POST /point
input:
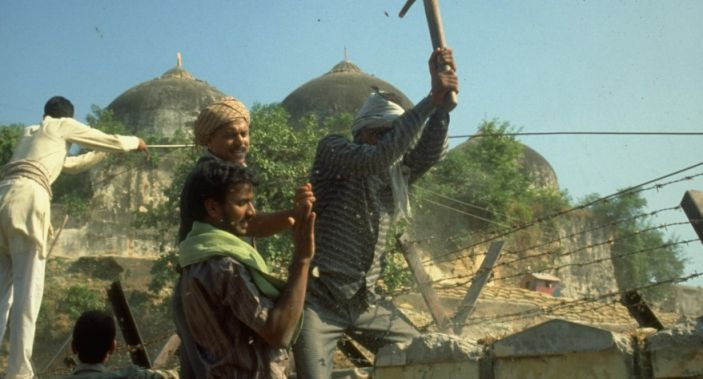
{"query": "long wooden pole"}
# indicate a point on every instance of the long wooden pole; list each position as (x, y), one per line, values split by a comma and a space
(434, 22)
(424, 282)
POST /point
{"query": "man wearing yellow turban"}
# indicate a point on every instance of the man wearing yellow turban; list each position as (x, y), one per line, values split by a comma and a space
(223, 129)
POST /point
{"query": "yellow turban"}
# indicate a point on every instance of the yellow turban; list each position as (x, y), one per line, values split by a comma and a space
(217, 114)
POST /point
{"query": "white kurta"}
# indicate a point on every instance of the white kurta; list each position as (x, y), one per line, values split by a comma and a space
(25, 221)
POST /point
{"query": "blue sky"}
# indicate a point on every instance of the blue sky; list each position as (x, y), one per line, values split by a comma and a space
(542, 65)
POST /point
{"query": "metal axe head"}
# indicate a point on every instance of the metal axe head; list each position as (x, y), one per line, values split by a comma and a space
(407, 6)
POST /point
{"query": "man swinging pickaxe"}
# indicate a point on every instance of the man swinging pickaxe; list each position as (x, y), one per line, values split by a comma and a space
(434, 21)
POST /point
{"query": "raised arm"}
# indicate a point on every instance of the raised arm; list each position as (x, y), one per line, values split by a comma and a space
(285, 315)
(431, 148)
(363, 159)
(433, 144)
(268, 224)
(77, 132)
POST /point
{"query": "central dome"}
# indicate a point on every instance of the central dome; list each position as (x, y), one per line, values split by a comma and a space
(344, 88)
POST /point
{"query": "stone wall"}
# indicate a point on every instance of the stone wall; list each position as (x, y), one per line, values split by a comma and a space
(108, 228)
(553, 349)
(685, 300)
(581, 277)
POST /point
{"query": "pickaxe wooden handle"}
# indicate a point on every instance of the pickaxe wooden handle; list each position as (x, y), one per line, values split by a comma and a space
(434, 22)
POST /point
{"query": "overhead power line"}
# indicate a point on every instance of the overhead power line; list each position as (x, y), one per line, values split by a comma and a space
(578, 134)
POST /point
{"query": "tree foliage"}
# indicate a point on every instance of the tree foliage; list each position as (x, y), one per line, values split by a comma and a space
(489, 188)
(9, 135)
(281, 156)
(641, 254)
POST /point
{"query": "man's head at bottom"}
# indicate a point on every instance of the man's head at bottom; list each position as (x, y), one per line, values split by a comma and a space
(94, 337)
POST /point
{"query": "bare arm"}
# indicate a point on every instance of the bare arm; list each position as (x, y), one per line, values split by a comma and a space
(268, 224)
(285, 315)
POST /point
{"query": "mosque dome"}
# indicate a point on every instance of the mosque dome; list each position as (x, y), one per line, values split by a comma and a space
(344, 88)
(532, 163)
(165, 104)
(542, 172)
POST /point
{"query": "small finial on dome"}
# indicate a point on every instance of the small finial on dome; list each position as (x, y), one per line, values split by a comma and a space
(179, 60)
(346, 57)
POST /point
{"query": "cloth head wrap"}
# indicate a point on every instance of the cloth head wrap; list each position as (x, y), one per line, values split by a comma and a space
(376, 112)
(215, 115)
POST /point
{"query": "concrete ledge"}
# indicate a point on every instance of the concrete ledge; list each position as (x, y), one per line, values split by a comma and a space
(677, 352)
(556, 337)
(429, 356)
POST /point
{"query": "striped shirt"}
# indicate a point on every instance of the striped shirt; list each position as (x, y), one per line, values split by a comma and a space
(354, 199)
(219, 314)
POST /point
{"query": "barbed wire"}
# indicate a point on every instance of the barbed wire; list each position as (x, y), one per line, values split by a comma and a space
(628, 191)
(609, 224)
(464, 279)
(584, 300)
(599, 260)
(598, 301)
(569, 236)
(608, 241)
(538, 311)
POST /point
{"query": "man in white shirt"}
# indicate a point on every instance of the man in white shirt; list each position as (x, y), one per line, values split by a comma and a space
(25, 209)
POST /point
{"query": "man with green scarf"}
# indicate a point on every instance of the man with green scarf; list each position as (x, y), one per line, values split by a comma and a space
(234, 318)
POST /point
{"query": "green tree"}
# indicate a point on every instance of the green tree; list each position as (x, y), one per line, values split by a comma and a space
(9, 135)
(641, 253)
(282, 156)
(493, 191)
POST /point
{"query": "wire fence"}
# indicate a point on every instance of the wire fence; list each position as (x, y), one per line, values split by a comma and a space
(646, 186)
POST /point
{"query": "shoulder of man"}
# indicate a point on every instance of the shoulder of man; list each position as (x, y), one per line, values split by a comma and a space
(332, 140)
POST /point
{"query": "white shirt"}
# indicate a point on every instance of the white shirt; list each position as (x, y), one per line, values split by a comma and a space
(49, 142)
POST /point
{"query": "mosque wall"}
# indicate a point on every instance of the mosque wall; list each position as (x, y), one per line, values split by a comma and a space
(584, 258)
(685, 300)
(108, 226)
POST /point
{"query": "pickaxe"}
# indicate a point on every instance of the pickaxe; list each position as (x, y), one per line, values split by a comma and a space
(434, 21)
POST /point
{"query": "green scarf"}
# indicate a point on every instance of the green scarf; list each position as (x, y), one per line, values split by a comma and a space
(206, 241)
